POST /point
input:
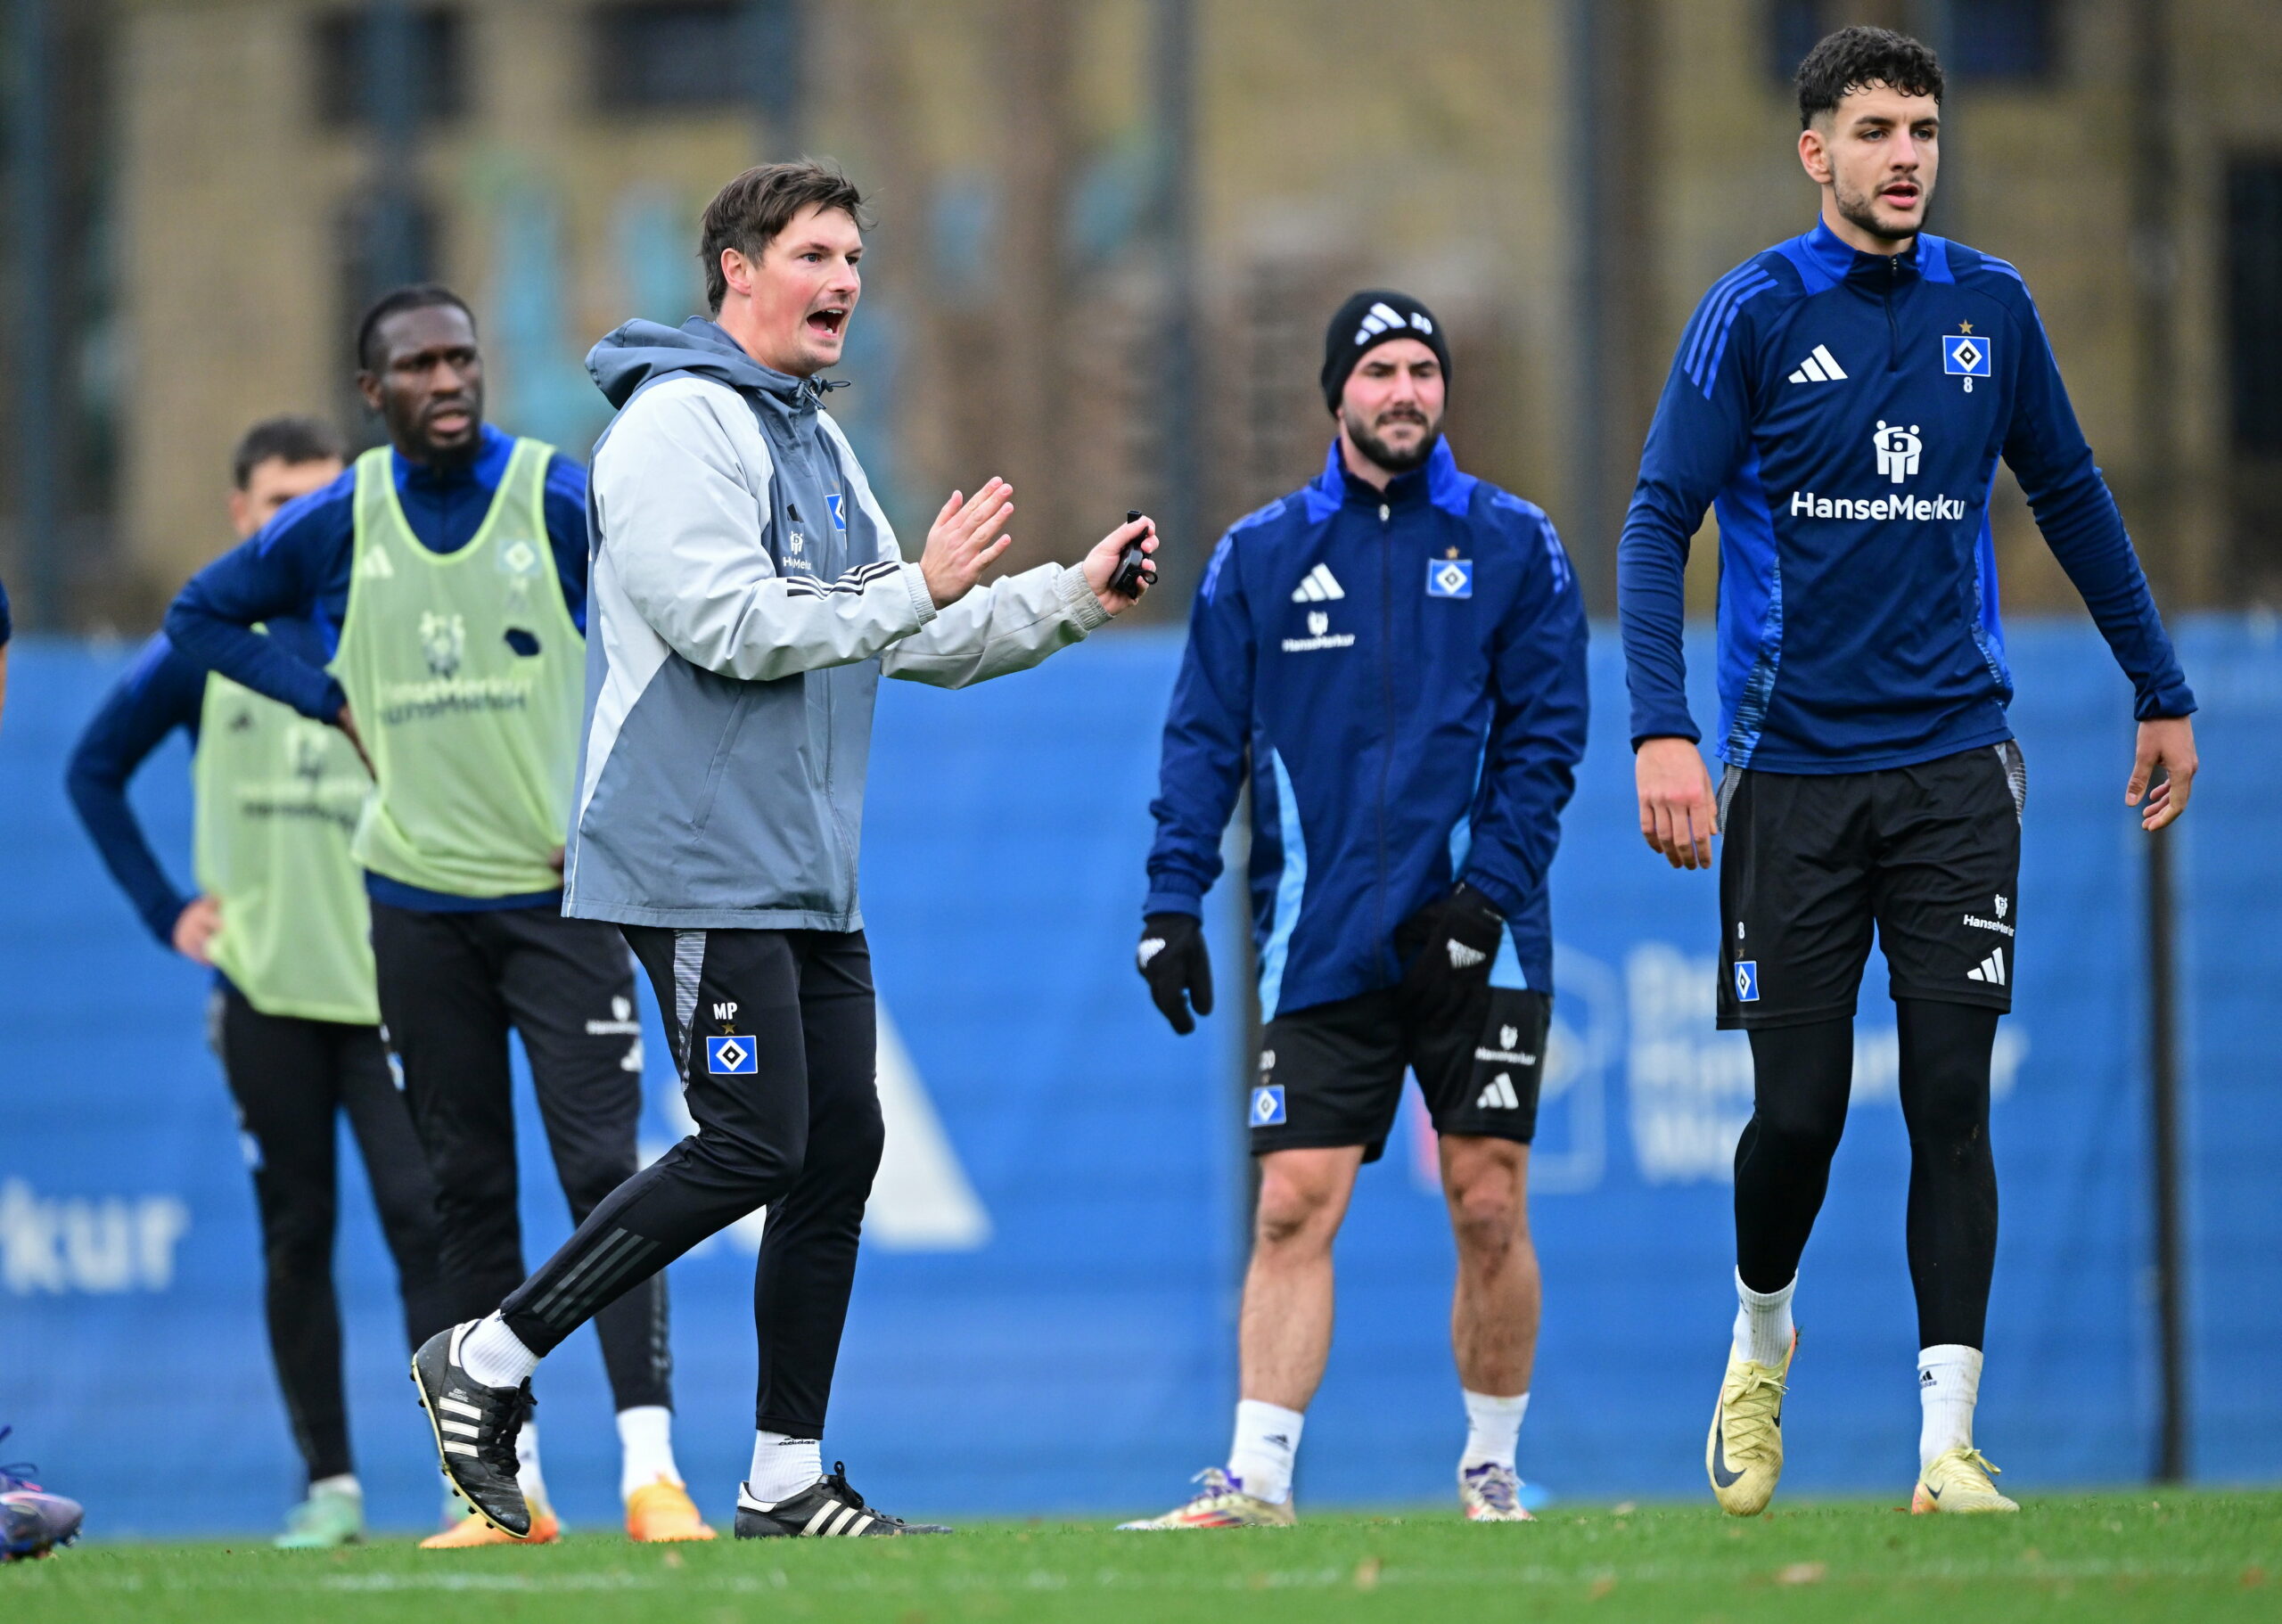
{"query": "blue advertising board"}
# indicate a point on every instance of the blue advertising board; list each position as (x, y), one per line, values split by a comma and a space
(1044, 1319)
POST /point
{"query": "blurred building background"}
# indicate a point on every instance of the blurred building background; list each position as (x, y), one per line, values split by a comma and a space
(1110, 231)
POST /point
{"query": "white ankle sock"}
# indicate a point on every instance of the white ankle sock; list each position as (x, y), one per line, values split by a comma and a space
(1493, 1427)
(1949, 1384)
(645, 1441)
(344, 1484)
(496, 1356)
(1266, 1441)
(1763, 1328)
(534, 1486)
(783, 1465)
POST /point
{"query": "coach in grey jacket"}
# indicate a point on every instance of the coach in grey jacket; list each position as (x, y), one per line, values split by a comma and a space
(747, 594)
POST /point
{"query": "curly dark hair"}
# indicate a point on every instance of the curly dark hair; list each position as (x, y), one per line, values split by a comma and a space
(1853, 59)
(747, 214)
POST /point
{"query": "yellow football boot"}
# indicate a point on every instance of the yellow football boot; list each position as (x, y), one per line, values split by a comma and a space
(1221, 1502)
(662, 1514)
(475, 1528)
(1745, 1452)
(1958, 1480)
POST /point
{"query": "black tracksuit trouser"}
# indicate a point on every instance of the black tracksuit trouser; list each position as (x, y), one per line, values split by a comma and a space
(291, 1079)
(776, 1037)
(452, 986)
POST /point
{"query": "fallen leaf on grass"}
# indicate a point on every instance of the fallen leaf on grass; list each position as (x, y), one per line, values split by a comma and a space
(1366, 1573)
(673, 1559)
(1803, 1573)
(1602, 1586)
(2252, 1577)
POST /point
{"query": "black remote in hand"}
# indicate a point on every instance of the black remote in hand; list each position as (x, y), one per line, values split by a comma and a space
(1135, 569)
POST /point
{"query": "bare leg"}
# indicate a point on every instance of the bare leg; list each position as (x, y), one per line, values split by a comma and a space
(1494, 1312)
(1284, 1335)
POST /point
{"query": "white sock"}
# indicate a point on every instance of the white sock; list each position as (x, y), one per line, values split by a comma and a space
(534, 1486)
(1493, 1427)
(783, 1465)
(1763, 1329)
(1949, 1384)
(496, 1356)
(645, 1441)
(344, 1484)
(1267, 1439)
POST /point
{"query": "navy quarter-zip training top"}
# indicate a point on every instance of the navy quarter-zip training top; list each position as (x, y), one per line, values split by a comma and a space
(1404, 673)
(296, 566)
(1844, 413)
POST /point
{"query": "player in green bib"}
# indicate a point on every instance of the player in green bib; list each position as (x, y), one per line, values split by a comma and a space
(448, 569)
(280, 914)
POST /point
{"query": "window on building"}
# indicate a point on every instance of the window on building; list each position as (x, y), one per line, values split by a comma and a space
(669, 54)
(1793, 28)
(2002, 39)
(1985, 39)
(2254, 305)
(345, 67)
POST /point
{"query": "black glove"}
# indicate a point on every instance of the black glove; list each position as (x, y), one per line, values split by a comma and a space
(1451, 943)
(1173, 961)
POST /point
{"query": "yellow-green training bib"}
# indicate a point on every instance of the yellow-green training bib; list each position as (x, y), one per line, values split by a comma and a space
(466, 678)
(279, 797)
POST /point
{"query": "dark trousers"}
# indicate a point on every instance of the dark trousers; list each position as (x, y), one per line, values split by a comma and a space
(452, 986)
(291, 1078)
(775, 1035)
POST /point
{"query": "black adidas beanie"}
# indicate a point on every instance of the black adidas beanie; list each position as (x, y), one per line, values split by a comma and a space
(1370, 319)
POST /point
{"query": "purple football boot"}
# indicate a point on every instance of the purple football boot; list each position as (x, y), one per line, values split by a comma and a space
(32, 1521)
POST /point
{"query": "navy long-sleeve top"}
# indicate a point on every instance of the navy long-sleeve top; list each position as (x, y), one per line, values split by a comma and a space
(162, 691)
(297, 567)
(1402, 674)
(1844, 412)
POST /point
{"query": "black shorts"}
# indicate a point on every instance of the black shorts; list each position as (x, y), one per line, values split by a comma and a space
(1332, 1075)
(1930, 854)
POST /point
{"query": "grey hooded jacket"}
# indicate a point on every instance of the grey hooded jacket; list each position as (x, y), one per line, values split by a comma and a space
(746, 595)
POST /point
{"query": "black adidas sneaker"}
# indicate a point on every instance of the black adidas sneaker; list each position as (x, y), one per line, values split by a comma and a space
(475, 1429)
(826, 1506)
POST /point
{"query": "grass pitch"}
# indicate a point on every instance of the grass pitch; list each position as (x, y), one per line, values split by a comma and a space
(2204, 1555)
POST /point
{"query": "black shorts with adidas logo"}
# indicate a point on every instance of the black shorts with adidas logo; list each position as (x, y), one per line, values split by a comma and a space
(1331, 1074)
(1930, 855)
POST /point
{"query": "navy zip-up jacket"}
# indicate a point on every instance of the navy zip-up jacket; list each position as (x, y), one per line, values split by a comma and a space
(163, 689)
(1844, 412)
(1404, 673)
(296, 566)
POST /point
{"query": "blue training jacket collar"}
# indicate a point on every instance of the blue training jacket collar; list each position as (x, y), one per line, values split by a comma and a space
(486, 469)
(1439, 481)
(1825, 258)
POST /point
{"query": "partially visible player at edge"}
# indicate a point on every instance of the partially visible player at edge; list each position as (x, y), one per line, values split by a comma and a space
(280, 915)
(446, 574)
(749, 595)
(1394, 657)
(1843, 398)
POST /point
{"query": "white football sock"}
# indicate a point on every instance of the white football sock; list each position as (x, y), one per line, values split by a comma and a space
(526, 1477)
(344, 1484)
(1949, 1384)
(783, 1465)
(645, 1441)
(1267, 1440)
(1493, 1427)
(1763, 1328)
(495, 1356)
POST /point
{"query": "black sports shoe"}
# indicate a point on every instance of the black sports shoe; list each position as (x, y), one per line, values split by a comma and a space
(475, 1429)
(824, 1507)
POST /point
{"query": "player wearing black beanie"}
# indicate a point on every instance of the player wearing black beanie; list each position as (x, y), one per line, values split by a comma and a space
(1366, 321)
